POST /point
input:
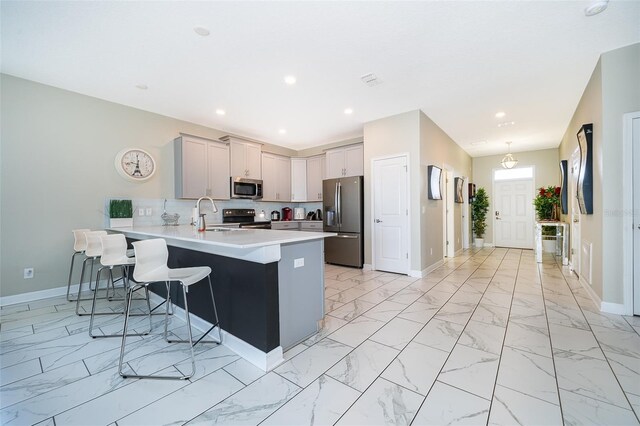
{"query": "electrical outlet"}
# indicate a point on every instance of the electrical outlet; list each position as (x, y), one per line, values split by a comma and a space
(28, 273)
(298, 263)
(149, 211)
(140, 211)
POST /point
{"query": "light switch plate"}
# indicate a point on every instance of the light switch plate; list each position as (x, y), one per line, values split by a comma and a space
(298, 263)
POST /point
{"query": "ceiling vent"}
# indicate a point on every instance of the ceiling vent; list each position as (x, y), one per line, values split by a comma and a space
(370, 79)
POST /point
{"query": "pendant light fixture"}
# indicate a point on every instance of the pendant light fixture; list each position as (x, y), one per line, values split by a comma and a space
(508, 162)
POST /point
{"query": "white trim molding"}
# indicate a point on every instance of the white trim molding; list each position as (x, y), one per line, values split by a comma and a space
(627, 206)
(39, 295)
(425, 271)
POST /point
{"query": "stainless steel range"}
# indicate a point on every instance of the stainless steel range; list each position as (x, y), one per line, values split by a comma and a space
(245, 218)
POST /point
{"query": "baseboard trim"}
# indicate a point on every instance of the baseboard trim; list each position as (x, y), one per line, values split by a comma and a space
(367, 267)
(425, 271)
(38, 295)
(263, 360)
(597, 302)
(613, 308)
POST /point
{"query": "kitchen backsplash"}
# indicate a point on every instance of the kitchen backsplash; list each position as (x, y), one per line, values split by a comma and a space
(184, 209)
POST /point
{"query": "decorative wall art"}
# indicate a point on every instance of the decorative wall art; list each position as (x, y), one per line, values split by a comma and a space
(563, 185)
(585, 174)
(433, 179)
(472, 190)
(459, 183)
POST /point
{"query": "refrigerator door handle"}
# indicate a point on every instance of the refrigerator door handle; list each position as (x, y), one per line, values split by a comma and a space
(335, 205)
(339, 204)
(347, 236)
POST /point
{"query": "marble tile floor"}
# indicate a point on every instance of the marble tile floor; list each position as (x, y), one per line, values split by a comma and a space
(490, 337)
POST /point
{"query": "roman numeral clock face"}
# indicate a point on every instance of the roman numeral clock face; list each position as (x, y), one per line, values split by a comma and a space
(135, 164)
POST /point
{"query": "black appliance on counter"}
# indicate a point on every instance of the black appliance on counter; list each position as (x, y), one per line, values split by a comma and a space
(275, 215)
(245, 218)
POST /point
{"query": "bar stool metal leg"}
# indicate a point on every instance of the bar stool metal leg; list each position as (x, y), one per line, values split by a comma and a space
(73, 258)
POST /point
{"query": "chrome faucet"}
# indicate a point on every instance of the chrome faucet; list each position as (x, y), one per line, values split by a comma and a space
(213, 206)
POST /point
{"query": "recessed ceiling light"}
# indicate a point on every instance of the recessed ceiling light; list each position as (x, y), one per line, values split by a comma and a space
(478, 143)
(506, 123)
(596, 7)
(142, 86)
(220, 111)
(348, 111)
(500, 114)
(290, 80)
(282, 131)
(202, 31)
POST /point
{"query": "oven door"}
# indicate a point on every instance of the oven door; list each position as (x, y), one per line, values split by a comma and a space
(246, 188)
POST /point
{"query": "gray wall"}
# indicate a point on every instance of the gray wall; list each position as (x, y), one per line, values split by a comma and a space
(415, 134)
(437, 148)
(547, 173)
(613, 90)
(398, 134)
(57, 162)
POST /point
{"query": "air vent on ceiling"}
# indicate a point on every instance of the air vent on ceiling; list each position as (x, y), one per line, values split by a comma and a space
(370, 79)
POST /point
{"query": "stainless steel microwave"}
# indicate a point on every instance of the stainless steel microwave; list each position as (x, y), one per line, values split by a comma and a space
(246, 188)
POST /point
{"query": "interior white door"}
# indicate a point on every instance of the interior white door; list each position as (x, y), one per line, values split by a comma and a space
(449, 191)
(636, 214)
(574, 168)
(513, 213)
(391, 215)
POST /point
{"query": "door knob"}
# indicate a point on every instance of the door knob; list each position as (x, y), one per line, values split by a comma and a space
(575, 220)
(378, 221)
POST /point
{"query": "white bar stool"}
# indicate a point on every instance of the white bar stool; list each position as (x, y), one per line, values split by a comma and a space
(151, 266)
(79, 246)
(93, 251)
(114, 254)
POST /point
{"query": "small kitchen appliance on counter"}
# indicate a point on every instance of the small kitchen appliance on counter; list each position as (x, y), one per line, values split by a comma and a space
(287, 213)
(275, 215)
(298, 213)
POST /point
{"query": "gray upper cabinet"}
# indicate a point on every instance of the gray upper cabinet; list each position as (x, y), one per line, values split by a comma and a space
(201, 168)
(345, 161)
(245, 158)
(276, 177)
(298, 179)
(315, 176)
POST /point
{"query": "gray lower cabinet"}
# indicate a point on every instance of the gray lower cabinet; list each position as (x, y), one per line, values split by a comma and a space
(300, 291)
(298, 225)
(285, 225)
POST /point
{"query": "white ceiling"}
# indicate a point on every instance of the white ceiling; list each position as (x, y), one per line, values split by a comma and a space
(460, 62)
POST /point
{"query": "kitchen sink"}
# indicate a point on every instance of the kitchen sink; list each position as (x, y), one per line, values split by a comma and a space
(221, 229)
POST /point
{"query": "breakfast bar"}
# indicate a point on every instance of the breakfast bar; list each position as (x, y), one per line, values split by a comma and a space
(268, 284)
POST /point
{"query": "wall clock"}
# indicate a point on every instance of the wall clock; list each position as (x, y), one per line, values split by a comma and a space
(135, 164)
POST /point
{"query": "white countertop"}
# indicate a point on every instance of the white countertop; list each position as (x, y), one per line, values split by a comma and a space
(256, 245)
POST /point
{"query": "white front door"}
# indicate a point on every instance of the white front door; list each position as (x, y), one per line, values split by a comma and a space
(574, 169)
(391, 215)
(636, 214)
(513, 213)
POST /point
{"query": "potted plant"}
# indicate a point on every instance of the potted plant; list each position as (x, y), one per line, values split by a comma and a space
(479, 209)
(120, 213)
(547, 203)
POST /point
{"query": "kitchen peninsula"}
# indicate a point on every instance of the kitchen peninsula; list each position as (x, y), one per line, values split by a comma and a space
(268, 284)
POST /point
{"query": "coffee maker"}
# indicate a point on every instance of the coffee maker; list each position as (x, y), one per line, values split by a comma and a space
(287, 214)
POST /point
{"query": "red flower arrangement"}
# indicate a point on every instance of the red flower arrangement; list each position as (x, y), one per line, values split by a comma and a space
(547, 201)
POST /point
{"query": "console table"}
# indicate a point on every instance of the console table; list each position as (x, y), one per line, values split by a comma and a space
(561, 237)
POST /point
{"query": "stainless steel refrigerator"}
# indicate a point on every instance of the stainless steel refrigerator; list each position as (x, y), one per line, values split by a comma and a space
(343, 206)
